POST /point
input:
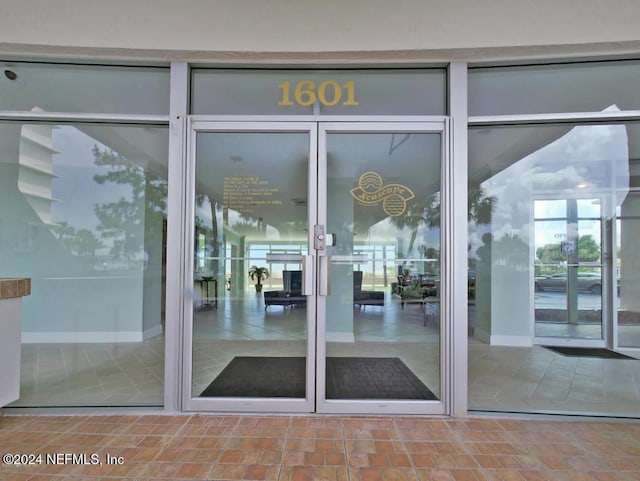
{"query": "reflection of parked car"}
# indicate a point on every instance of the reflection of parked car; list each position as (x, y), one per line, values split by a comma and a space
(587, 281)
(427, 280)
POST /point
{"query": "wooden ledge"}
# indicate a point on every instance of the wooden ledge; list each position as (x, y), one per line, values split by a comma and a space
(10, 288)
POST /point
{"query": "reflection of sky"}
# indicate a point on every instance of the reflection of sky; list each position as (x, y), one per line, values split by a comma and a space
(555, 231)
(75, 190)
(203, 213)
(589, 162)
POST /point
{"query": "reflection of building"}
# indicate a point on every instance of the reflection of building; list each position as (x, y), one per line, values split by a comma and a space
(36, 169)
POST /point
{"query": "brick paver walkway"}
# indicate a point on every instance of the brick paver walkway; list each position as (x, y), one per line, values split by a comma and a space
(290, 448)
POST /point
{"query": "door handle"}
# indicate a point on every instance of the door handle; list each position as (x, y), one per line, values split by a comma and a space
(307, 275)
(324, 268)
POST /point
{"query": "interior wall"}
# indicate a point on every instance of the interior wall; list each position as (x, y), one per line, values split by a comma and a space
(177, 31)
(504, 300)
(340, 208)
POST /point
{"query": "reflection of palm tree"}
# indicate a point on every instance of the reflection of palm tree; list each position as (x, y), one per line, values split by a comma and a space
(128, 222)
(87, 243)
(513, 251)
(480, 207)
(63, 231)
(247, 228)
(82, 242)
(212, 238)
(424, 211)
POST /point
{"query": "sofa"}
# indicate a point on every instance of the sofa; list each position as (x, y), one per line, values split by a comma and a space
(365, 298)
(291, 295)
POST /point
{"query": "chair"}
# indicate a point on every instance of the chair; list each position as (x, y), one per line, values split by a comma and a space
(365, 298)
(431, 307)
(291, 295)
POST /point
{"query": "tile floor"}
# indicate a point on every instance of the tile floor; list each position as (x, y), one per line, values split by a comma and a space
(517, 379)
(199, 447)
(535, 379)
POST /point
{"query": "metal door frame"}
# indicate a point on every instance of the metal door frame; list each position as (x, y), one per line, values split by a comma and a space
(388, 407)
(316, 307)
(189, 402)
(607, 296)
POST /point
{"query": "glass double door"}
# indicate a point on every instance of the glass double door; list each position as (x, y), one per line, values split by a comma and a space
(315, 272)
(571, 276)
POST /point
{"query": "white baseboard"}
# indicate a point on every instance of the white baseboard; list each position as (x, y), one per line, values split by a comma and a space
(481, 335)
(516, 341)
(340, 337)
(81, 337)
(152, 332)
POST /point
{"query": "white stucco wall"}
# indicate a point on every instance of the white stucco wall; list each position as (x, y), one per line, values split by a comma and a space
(10, 348)
(427, 29)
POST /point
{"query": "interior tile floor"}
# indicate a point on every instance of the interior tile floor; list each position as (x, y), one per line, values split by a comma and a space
(512, 379)
(309, 448)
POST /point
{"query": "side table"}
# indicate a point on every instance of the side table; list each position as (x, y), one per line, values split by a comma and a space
(208, 285)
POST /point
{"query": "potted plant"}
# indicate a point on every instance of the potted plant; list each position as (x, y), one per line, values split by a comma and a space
(258, 274)
(406, 277)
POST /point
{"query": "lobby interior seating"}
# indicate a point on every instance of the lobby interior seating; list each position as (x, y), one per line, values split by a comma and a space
(290, 295)
(365, 298)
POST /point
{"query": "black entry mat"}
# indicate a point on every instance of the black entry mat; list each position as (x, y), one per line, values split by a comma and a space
(588, 352)
(347, 378)
(373, 378)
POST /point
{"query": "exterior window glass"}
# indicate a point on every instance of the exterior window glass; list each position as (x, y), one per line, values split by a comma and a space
(82, 214)
(554, 255)
(584, 87)
(85, 89)
(324, 92)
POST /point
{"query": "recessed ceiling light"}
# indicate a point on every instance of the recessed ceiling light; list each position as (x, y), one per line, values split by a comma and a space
(582, 186)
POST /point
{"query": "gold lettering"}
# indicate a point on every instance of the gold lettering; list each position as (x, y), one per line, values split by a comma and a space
(304, 93)
(242, 192)
(329, 93)
(394, 197)
(286, 93)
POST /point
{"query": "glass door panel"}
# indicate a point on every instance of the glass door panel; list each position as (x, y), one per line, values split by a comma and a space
(568, 280)
(380, 329)
(627, 272)
(251, 345)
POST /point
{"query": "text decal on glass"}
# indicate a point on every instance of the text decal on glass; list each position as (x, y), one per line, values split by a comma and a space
(328, 93)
